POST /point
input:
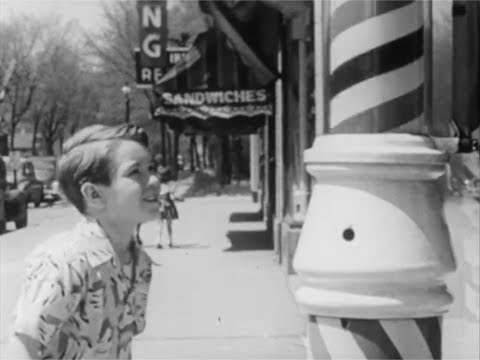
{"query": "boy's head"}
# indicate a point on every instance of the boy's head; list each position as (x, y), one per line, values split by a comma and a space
(91, 161)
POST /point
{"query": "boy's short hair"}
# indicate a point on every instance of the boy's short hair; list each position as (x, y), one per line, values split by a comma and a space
(87, 157)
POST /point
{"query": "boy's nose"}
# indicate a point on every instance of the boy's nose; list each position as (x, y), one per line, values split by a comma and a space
(153, 180)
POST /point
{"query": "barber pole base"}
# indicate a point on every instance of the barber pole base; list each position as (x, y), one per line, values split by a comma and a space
(333, 338)
(374, 248)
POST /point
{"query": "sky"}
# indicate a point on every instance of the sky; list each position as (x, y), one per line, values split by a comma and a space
(87, 12)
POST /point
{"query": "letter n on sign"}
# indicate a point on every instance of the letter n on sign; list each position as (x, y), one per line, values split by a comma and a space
(153, 33)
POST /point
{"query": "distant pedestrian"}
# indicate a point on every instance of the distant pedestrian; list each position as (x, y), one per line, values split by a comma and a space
(85, 291)
(168, 209)
(180, 162)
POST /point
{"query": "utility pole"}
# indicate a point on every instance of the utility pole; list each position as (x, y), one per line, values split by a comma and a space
(126, 90)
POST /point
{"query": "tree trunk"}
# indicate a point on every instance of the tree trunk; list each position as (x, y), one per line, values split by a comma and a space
(49, 146)
(36, 125)
(13, 127)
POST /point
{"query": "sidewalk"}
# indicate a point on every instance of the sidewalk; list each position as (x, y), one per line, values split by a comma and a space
(218, 294)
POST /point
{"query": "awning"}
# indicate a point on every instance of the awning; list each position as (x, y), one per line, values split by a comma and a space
(212, 88)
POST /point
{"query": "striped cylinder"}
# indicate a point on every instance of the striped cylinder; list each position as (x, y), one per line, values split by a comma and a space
(376, 66)
(331, 338)
(374, 248)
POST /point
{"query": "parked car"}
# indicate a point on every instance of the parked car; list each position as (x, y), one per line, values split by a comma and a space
(13, 203)
(34, 177)
(29, 183)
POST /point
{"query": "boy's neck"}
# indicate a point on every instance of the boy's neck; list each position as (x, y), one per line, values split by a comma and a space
(120, 236)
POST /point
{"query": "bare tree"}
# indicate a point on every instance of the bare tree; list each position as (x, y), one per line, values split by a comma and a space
(114, 46)
(61, 99)
(20, 40)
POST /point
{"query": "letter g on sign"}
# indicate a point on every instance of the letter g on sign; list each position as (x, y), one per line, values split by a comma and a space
(151, 46)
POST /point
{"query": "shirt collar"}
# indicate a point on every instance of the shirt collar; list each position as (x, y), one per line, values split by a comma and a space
(97, 245)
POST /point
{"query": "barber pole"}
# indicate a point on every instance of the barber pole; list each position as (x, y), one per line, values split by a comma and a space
(376, 70)
(374, 247)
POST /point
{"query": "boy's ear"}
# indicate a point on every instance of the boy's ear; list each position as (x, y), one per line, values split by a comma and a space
(92, 196)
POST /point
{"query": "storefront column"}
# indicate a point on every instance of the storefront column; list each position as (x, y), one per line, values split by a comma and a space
(292, 223)
(279, 160)
(254, 166)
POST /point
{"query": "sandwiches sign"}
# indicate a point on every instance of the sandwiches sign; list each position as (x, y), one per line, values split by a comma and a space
(205, 104)
(215, 98)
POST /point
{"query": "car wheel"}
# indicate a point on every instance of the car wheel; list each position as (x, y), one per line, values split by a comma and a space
(3, 227)
(37, 204)
(21, 223)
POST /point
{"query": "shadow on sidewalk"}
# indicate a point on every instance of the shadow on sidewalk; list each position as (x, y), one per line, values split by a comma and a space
(246, 216)
(177, 246)
(248, 240)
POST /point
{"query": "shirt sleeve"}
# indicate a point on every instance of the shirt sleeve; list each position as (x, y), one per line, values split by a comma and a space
(50, 294)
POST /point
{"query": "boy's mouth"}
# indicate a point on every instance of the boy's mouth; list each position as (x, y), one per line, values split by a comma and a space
(153, 198)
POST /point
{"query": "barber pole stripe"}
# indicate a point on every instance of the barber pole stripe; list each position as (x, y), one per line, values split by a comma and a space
(332, 338)
(345, 44)
(347, 16)
(412, 126)
(374, 118)
(431, 329)
(369, 95)
(316, 347)
(376, 65)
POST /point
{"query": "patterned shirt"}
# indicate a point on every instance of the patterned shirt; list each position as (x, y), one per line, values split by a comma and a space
(78, 301)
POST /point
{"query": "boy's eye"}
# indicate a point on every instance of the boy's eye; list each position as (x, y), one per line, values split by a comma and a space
(151, 168)
(134, 172)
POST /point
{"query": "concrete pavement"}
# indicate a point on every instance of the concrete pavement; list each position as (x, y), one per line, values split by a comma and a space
(218, 293)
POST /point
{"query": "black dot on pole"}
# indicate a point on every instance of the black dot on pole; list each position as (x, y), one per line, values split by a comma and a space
(348, 234)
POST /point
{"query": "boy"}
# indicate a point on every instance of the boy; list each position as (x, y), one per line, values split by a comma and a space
(86, 290)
